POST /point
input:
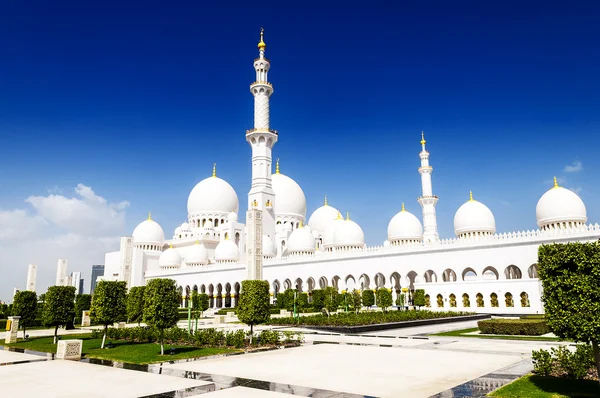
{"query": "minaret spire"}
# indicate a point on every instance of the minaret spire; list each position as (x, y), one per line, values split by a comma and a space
(261, 138)
(427, 200)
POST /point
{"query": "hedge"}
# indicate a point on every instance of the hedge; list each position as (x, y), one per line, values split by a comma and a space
(522, 327)
(364, 318)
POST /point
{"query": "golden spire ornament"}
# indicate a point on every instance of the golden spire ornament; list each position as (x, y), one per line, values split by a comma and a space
(214, 169)
(149, 215)
(347, 215)
(556, 183)
(277, 166)
(403, 207)
(326, 201)
(471, 196)
(261, 44)
(423, 142)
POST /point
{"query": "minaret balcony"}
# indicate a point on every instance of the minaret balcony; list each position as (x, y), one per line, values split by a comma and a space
(261, 130)
(261, 84)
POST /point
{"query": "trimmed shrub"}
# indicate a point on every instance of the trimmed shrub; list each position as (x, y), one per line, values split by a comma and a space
(542, 362)
(368, 298)
(318, 299)
(419, 298)
(384, 298)
(270, 337)
(236, 339)
(521, 327)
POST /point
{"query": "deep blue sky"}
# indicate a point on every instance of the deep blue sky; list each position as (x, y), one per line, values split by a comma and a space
(138, 99)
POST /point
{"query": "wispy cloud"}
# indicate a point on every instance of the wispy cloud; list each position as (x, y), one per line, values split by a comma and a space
(574, 167)
(577, 190)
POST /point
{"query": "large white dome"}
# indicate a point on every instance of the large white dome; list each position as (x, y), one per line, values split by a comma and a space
(170, 258)
(289, 197)
(198, 255)
(301, 241)
(268, 248)
(149, 231)
(213, 195)
(349, 234)
(560, 206)
(227, 251)
(475, 218)
(322, 217)
(404, 226)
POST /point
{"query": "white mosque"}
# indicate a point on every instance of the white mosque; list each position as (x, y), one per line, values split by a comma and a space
(479, 270)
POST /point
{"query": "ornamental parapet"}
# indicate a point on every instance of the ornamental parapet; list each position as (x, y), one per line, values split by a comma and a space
(261, 84)
(261, 130)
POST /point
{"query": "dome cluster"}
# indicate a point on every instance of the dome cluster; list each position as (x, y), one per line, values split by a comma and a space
(343, 235)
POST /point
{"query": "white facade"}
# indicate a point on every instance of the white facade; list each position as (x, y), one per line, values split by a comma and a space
(480, 270)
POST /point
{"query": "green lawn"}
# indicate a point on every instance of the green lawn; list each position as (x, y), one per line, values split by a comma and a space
(532, 386)
(461, 333)
(123, 351)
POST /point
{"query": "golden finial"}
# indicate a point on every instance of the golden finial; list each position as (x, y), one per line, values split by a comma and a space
(556, 183)
(277, 167)
(301, 224)
(197, 242)
(423, 138)
(214, 169)
(149, 215)
(403, 207)
(170, 245)
(347, 215)
(471, 196)
(261, 44)
(339, 216)
(326, 201)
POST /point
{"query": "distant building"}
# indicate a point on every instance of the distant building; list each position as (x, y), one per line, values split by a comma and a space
(75, 281)
(97, 271)
(61, 272)
(31, 276)
(81, 286)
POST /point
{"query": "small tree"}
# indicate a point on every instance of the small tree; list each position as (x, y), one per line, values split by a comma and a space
(330, 298)
(419, 298)
(25, 306)
(318, 299)
(59, 307)
(368, 298)
(109, 304)
(570, 275)
(384, 298)
(161, 306)
(400, 300)
(135, 304)
(83, 302)
(199, 305)
(356, 301)
(253, 308)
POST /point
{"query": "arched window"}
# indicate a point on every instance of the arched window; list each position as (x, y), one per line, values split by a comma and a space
(440, 300)
(508, 299)
(452, 300)
(524, 299)
(479, 299)
(512, 272)
(466, 301)
(533, 271)
(494, 300)
(449, 275)
(469, 274)
(490, 273)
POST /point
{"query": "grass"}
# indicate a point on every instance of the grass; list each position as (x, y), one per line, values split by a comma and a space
(462, 333)
(532, 386)
(123, 351)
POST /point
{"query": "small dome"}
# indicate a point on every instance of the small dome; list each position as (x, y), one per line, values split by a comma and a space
(233, 217)
(227, 251)
(474, 217)
(328, 235)
(268, 248)
(560, 207)
(301, 241)
(322, 217)
(349, 234)
(149, 231)
(198, 255)
(170, 258)
(404, 226)
(185, 226)
(208, 225)
(212, 195)
(177, 230)
(289, 197)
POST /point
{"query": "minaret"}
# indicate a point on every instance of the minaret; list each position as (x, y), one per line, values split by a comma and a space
(261, 138)
(428, 200)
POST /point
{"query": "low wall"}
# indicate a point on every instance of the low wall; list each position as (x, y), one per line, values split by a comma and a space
(398, 325)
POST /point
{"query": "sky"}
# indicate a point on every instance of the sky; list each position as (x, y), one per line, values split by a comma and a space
(112, 109)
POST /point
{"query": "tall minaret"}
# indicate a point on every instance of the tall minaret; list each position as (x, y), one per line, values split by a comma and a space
(428, 200)
(261, 138)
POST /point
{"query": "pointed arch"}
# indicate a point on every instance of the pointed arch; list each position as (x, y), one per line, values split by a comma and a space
(532, 271)
(513, 272)
(469, 274)
(449, 275)
(490, 273)
(430, 276)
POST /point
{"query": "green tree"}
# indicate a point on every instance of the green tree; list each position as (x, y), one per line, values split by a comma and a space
(368, 298)
(135, 304)
(384, 298)
(570, 275)
(161, 306)
(25, 306)
(200, 303)
(83, 302)
(318, 299)
(109, 304)
(59, 307)
(400, 300)
(356, 300)
(331, 298)
(419, 298)
(253, 308)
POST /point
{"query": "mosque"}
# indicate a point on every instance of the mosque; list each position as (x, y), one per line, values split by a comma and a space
(479, 270)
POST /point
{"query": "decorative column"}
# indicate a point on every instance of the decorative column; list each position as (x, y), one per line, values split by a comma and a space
(11, 331)
(254, 255)
(428, 200)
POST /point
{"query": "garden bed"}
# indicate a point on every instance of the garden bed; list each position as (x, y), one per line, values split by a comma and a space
(519, 327)
(375, 321)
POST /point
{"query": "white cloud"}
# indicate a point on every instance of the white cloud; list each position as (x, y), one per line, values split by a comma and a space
(81, 229)
(577, 190)
(574, 167)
